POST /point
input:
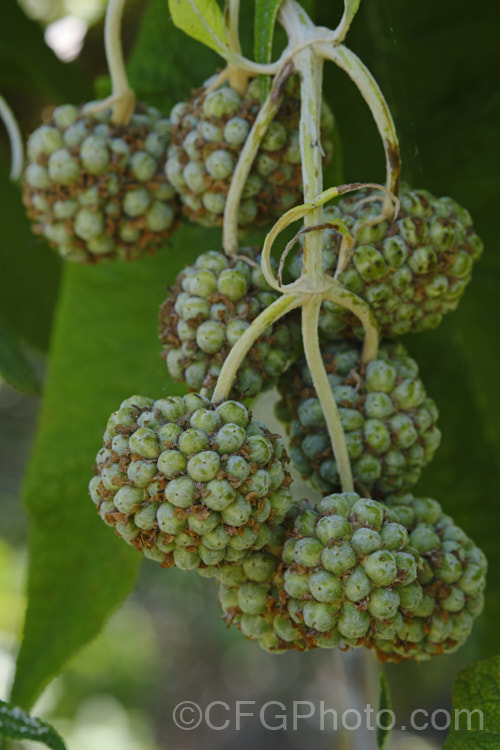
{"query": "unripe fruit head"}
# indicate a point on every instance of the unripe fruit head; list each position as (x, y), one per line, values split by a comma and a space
(172, 493)
(326, 590)
(97, 190)
(410, 272)
(211, 305)
(389, 423)
(208, 133)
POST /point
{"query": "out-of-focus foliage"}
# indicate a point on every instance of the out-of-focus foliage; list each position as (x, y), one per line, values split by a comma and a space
(15, 369)
(476, 708)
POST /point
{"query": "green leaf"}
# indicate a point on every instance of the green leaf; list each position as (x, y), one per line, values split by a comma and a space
(384, 707)
(16, 724)
(163, 74)
(104, 349)
(266, 12)
(475, 718)
(14, 367)
(203, 20)
(30, 271)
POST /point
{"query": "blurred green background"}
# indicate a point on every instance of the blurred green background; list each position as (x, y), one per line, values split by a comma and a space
(437, 65)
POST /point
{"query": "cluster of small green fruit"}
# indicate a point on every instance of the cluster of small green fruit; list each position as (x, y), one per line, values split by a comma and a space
(101, 190)
(200, 484)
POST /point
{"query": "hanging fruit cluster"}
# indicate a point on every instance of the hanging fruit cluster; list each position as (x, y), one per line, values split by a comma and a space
(196, 482)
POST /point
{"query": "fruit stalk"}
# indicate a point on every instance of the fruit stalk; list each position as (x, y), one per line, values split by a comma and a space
(238, 77)
(310, 67)
(270, 315)
(123, 97)
(310, 317)
(342, 296)
(247, 156)
(371, 93)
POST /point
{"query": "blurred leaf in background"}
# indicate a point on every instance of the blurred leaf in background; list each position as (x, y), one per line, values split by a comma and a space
(15, 368)
(476, 708)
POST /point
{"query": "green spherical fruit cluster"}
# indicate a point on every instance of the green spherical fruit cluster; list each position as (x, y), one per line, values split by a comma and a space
(389, 423)
(211, 305)
(208, 133)
(410, 272)
(402, 579)
(97, 190)
(188, 483)
(452, 578)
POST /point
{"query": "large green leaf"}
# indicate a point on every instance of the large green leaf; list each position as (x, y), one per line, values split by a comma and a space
(104, 349)
(16, 724)
(15, 369)
(475, 718)
(30, 271)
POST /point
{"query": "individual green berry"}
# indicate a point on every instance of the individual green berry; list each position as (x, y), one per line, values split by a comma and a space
(387, 451)
(113, 172)
(208, 133)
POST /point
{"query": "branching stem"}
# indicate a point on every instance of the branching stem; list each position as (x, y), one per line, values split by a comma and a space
(307, 48)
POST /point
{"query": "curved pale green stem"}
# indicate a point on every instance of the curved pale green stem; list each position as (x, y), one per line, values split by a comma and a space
(15, 138)
(123, 97)
(247, 156)
(373, 96)
(310, 316)
(270, 315)
(345, 248)
(343, 297)
(351, 7)
(298, 212)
